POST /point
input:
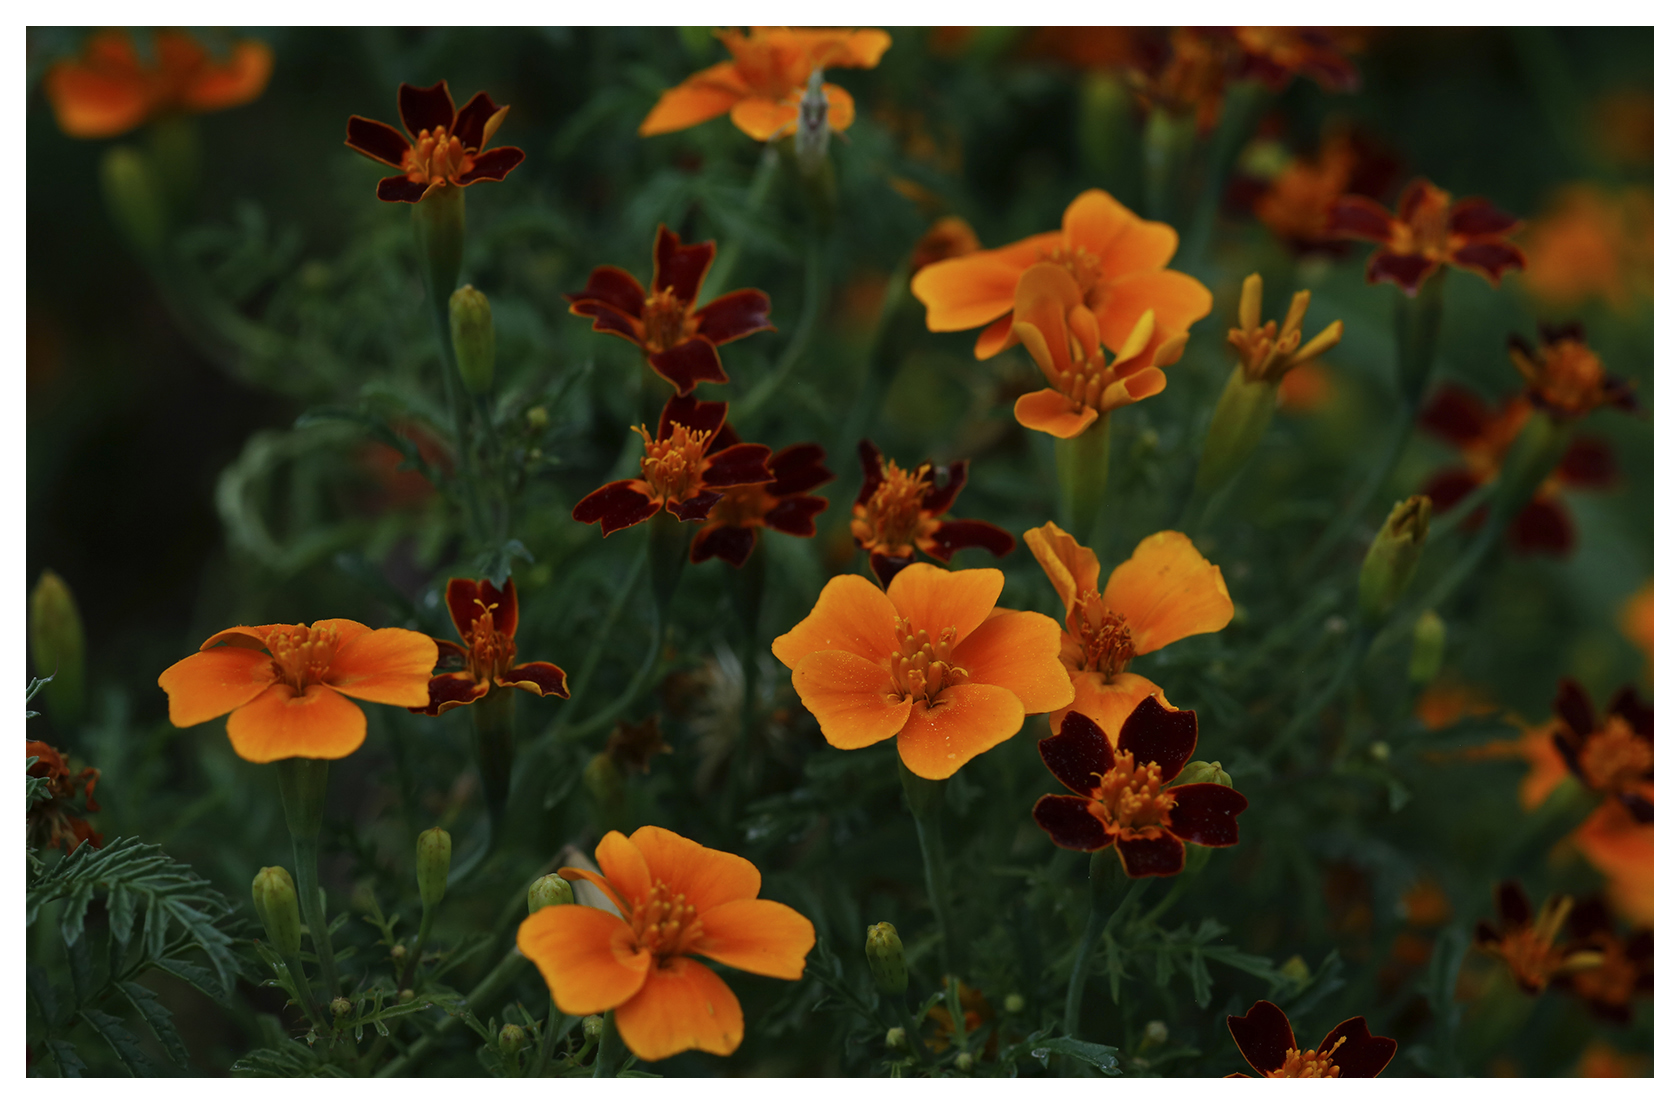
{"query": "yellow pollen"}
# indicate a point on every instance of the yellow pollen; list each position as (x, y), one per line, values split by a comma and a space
(664, 923)
(436, 157)
(892, 519)
(1104, 636)
(1427, 233)
(1310, 1063)
(666, 322)
(489, 652)
(1614, 758)
(1131, 796)
(922, 667)
(1085, 268)
(301, 655)
(672, 465)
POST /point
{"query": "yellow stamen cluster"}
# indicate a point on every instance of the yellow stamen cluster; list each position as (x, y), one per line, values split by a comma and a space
(1614, 758)
(437, 157)
(1085, 267)
(665, 321)
(301, 654)
(1530, 953)
(1569, 377)
(1267, 352)
(665, 923)
(892, 519)
(672, 465)
(743, 507)
(1310, 1063)
(1104, 636)
(922, 667)
(1426, 233)
(489, 652)
(1132, 798)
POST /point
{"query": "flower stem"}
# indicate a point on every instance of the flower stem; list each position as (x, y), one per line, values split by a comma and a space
(550, 1040)
(757, 192)
(926, 798)
(912, 1029)
(493, 744)
(1082, 475)
(816, 292)
(606, 1058)
(303, 793)
(1352, 657)
(492, 985)
(1107, 875)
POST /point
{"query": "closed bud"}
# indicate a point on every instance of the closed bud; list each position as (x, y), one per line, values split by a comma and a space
(512, 1039)
(399, 953)
(537, 418)
(1393, 557)
(55, 638)
(431, 864)
(1239, 422)
(605, 782)
(1380, 751)
(1296, 971)
(1154, 1033)
(1200, 771)
(1429, 645)
(275, 899)
(1014, 1004)
(896, 1039)
(474, 337)
(550, 889)
(340, 1008)
(134, 197)
(886, 958)
(592, 1027)
(406, 995)
(965, 1062)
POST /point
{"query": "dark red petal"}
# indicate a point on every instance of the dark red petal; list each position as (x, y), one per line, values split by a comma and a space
(616, 506)
(492, 164)
(678, 268)
(1628, 706)
(737, 465)
(1456, 414)
(1157, 734)
(614, 287)
(1070, 823)
(685, 366)
(1264, 1036)
(728, 543)
(453, 689)
(505, 614)
(425, 108)
(1477, 218)
(1491, 259)
(1513, 904)
(870, 457)
(1543, 526)
(1638, 806)
(1485, 935)
(798, 468)
(400, 189)
(796, 515)
(696, 508)
(725, 437)
(1575, 708)
(1447, 489)
(549, 679)
(1589, 462)
(942, 496)
(950, 536)
(470, 120)
(450, 653)
(380, 141)
(1589, 917)
(1151, 858)
(1414, 194)
(886, 567)
(1405, 270)
(1357, 217)
(699, 415)
(731, 317)
(1362, 1054)
(1553, 332)
(608, 319)
(1079, 755)
(1206, 813)
(461, 597)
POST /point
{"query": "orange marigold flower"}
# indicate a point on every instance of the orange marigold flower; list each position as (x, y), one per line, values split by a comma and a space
(897, 512)
(680, 342)
(731, 529)
(977, 1011)
(761, 85)
(1295, 204)
(1638, 622)
(930, 660)
(1600, 1059)
(1117, 260)
(108, 90)
(1276, 55)
(949, 237)
(1528, 942)
(288, 686)
(1165, 592)
(1124, 793)
(1624, 850)
(486, 619)
(53, 821)
(1447, 701)
(1592, 242)
(444, 147)
(675, 899)
(1306, 389)
(685, 469)
(1266, 353)
(1427, 231)
(1565, 378)
(1614, 758)
(1267, 1042)
(1626, 970)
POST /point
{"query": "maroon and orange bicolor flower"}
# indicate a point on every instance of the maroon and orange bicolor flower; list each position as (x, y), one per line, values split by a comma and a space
(1267, 1042)
(685, 469)
(931, 660)
(444, 147)
(675, 899)
(680, 342)
(288, 687)
(109, 91)
(1616, 757)
(487, 618)
(1528, 941)
(1122, 793)
(898, 511)
(1628, 966)
(1426, 231)
(1118, 264)
(731, 529)
(1565, 378)
(761, 85)
(53, 821)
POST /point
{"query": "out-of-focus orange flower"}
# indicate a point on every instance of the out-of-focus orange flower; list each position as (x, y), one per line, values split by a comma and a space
(1426, 905)
(288, 687)
(949, 237)
(1307, 388)
(1165, 592)
(108, 90)
(1625, 124)
(1624, 850)
(1593, 242)
(1427, 231)
(1276, 55)
(486, 619)
(1445, 702)
(444, 147)
(1266, 353)
(976, 1011)
(731, 529)
(1614, 758)
(1565, 377)
(675, 899)
(53, 822)
(1117, 260)
(761, 85)
(931, 661)
(1600, 1059)
(1528, 941)
(1626, 968)
(900, 511)
(1638, 621)
(400, 487)
(1295, 204)
(1267, 1042)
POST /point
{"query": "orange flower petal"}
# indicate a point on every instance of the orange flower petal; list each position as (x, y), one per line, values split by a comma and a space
(935, 599)
(706, 877)
(997, 337)
(1019, 652)
(761, 937)
(853, 699)
(705, 95)
(1177, 300)
(246, 636)
(578, 874)
(104, 95)
(1546, 768)
(970, 291)
(588, 957)
(1052, 412)
(389, 666)
(1624, 851)
(966, 720)
(842, 110)
(1121, 241)
(241, 80)
(1139, 385)
(1168, 591)
(764, 119)
(681, 1006)
(852, 615)
(622, 864)
(281, 723)
(207, 684)
(1107, 703)
(1072, 568)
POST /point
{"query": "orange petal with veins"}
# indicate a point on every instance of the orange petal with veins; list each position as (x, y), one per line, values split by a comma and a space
(853, 699)
(1019, 652)
(761, 937)
(1107, 703)
(852, 614)
(935, 599)
(1072, 568)
(207, 684)
(707, 878)
(966, 720)
(389, 666)
(281, 723)
(588, 957)
(1052, 412)
(681, 1006)
(1168, 591)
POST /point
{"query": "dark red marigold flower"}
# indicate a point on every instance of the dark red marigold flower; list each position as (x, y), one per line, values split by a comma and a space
(486, 618)
(445, 147)
(1628, 968)
(1528, 941)
(53, 822)
(1565, 378)
(897, 512)
(685, 469)
(1123, 797)
(731, 529)
(1427, 231)
(1268, 1043)
(1615, 758)
(680, 342)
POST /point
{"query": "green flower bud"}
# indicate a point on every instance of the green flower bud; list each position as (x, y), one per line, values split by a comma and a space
(1239, 422)
(1393, 557)
(1296, 971)
(592, 1027)
(896, 1039)
(965, 1062)
(1154, 1034)
(474, 336)
(550, 889)
(406, 995)
(537, 418)
(605, 782)
(1380, 751)
(886, 958)
(134, 198)
(811, 133)
(1014, 1004)
(399, 953)
(275, 899)
(431, 864)
(340, 1008)
(512, 1039)
(56, 639)
(1200, 771)
(1429, 645)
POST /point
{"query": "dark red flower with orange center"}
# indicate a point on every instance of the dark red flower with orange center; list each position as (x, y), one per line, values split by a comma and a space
(1528, 941)
(1124, 800)
(444, 146)
(898, 511)
(1483, 436)
(486, 618)
(731, 529)
(1628, 968)
(1276, 55)
(53, 822)
(1615, 758)
(685, 469)
(1427, 231)
(1295, 203)
(680, 342)
(1565, 378)
(1268, 1043)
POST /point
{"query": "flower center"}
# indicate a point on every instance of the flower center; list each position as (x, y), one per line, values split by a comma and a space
(1528, 950)
(672, 464)
(1104, 636)
(922, 667)
(664, 923)
(1259, 348)
(437, 157)
(1613, 981)
(1614, 759)
(1571, 375)
(489, 651)
(665, 320)
(1132, 798)
(892, 519)
(1426, 232)
(1310, 1063)
(1085, 268)
(301, 655)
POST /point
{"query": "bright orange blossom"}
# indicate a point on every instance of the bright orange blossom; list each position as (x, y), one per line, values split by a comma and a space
(107, 91)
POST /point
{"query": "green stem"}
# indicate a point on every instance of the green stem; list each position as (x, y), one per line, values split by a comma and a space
(492, 985)
(757, 192)
(1352, 657)
(603, 633)
(912, 1029)
(1094, 925)
(303, 793)
(816, 292)
(926, 800)
(875, 377)
(413, 966)
(1244, 101)
(1107, 875)
(493, 744)
(606, 1058)
(550, 1040)
(1082, 476)
(1399, 433)
(300, 981)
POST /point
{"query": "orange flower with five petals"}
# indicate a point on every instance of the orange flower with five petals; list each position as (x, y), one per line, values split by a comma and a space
(486, 617)
(1565, 377)
(675, 899)
(930, 660)
(108, 91)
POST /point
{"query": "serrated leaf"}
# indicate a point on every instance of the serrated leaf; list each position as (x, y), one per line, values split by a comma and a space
(157, 1018)
(121, 905)
(196, 976)
(1201, 982)
(290, 1059)
(41, 989)
(70, 923)
(70, 1063)
(210, 939)
(120, 1039)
